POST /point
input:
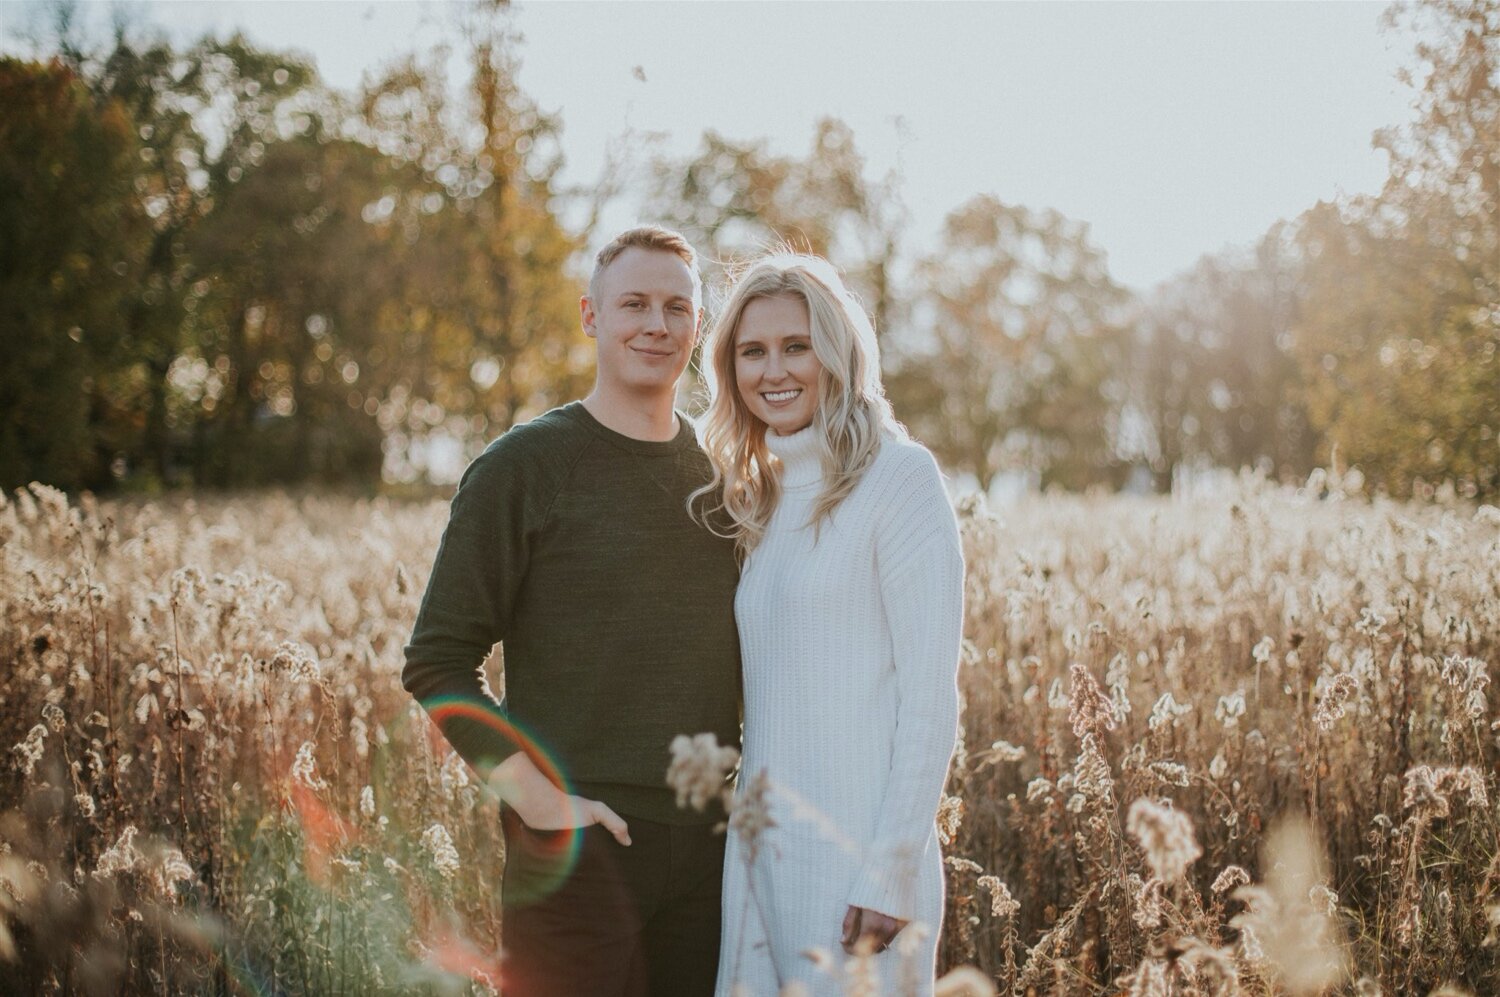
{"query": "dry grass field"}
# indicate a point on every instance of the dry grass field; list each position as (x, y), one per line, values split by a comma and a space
(1241, 743)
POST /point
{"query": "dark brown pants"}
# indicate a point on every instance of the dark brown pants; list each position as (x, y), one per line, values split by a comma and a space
(616, 921)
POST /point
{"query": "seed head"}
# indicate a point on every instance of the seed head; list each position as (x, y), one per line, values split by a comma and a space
(1333, 704)
(700, 769)
(1089, 709)
(1230, 709)
(1165, 711)
(1229, 878)
(1091, 773)
(1148, 908)
(1166, 835)
(1170, 773)
(299, 664)
(1002, 904)
(170, 869)
(29, 751)
(1263, 650)
(750, 815)
(439, 843)
(305, 767)
(950, 816)
(122, 856)
(1004, 751)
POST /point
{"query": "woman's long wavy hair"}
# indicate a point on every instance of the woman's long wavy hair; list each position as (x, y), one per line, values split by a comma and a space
(850, 418)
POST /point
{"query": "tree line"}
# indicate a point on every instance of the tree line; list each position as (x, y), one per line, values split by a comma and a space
(216, 270)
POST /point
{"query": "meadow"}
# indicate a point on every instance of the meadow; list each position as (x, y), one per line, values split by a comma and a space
(1235, 742)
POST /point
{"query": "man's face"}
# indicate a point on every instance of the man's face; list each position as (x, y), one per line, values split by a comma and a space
(645, 319)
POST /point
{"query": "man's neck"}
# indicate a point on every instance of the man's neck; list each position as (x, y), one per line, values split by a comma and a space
(648, 418)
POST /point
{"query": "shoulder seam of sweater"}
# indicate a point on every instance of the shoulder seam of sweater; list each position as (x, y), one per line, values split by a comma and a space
(904, 473)
(566, 476)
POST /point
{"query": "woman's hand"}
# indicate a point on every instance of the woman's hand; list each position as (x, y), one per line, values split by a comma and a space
(543, 807)
(861, 922)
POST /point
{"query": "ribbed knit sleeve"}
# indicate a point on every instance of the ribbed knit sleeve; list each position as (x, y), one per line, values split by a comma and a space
(920, 565)
(466, 609)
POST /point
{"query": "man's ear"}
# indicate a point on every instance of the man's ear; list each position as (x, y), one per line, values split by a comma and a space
(587, 317)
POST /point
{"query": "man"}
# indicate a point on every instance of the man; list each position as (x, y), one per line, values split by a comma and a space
(570, 543)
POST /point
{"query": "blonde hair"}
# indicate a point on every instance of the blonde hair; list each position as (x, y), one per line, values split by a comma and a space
(852, 411)
(652, 237)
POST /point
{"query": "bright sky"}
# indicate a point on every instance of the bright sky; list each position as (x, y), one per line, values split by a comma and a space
(1173, 129)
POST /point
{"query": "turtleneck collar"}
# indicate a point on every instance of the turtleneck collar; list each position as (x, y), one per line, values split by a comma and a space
(799, 453)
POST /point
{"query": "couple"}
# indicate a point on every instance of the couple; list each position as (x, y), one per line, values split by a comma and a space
(802, 564)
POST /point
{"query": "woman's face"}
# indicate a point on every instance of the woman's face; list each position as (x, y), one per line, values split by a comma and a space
(775, 369)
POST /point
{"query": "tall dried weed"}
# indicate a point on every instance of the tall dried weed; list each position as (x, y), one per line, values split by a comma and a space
(1239, 743)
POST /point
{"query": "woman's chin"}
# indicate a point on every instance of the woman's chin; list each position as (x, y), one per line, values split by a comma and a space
(784, 424)
(787, 427)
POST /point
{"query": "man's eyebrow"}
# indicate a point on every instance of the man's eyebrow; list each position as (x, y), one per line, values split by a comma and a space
(672, 299)
(646, 294)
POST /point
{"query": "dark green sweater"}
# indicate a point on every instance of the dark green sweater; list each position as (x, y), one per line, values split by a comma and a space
(571, 545)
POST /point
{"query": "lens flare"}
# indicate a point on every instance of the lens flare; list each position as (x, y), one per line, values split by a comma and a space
(324, 832)
(537, 861)
(451, 951)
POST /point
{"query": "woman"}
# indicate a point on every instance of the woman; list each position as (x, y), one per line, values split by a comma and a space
(850, 608)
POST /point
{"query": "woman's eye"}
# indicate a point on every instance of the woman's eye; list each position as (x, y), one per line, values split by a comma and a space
(751, 351)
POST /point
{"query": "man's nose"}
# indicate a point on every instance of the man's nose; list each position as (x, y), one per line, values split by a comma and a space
(656, 320)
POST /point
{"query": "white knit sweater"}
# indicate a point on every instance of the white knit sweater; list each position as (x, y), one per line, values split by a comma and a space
(849, 635)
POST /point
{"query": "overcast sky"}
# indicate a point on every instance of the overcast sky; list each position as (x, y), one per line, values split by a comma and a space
(1173, 129)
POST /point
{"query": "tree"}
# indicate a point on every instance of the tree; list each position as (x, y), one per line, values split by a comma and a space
(482, 314)
(71, 226)
(130, 404)
(1214, 376)
(1016, 358)
(290, 274)
(1399, 339)
(734, 199)
(263, 280)
(1401, 323)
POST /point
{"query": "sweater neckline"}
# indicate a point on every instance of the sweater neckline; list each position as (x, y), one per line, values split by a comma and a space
(800, 455)
(686, 435)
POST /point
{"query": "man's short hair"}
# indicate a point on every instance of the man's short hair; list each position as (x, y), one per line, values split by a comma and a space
(653, 237)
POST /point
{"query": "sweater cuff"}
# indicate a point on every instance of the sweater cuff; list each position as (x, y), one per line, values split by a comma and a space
(887, 883)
